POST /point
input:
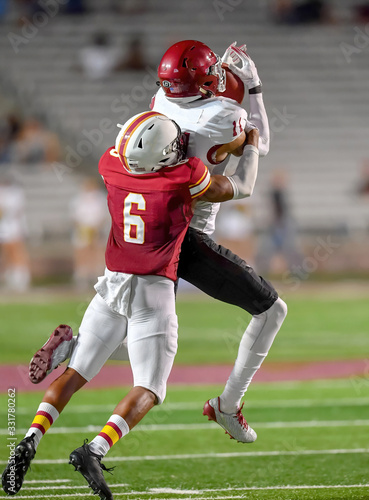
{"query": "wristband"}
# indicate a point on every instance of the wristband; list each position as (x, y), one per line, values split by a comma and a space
(256, 90)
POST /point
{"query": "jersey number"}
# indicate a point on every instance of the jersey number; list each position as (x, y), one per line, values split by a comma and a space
(134, 226)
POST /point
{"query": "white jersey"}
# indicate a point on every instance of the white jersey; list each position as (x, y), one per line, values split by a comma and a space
(210, 124)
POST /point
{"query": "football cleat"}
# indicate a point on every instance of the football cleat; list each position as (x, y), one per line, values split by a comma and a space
(13, 476)
(55, 351)
(89, 465)
(234, 424)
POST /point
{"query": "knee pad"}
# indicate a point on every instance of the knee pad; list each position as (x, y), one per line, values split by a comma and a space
(279, 310)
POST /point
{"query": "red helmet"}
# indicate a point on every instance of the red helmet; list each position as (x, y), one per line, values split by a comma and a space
(189, 69)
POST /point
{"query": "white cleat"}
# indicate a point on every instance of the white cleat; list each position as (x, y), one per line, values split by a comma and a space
(233, 423)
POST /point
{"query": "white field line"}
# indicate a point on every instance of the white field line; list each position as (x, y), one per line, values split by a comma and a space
(190, 406)
(274, 453)
(205, 426)
(62, 487)
(160, 491)
(46, 481)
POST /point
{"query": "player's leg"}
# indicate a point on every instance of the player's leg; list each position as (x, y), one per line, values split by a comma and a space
(224, 276)
(152, 345)
(100, 328)
(55, 399)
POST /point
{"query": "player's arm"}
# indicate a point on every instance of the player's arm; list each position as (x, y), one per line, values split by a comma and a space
(241, 183)
(248, 74)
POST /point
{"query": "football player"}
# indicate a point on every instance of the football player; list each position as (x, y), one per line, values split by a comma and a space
(151, 188)
(192, 82)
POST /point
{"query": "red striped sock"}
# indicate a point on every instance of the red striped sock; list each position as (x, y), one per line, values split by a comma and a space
(45, 417)
(115, 428)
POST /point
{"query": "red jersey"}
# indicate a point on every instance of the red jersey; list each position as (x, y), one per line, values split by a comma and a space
(150, 214)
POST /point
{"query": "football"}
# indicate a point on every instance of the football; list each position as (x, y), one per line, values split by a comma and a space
(234, 86)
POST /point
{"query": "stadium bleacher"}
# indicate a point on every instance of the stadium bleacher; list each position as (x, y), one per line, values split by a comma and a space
(317, 101)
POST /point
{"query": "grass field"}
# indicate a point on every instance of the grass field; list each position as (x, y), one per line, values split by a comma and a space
(209, 331)
(313, 442)
(313, 437)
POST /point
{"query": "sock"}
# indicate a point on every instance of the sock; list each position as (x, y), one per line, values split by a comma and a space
(254, 347)
(115, 429)
(45, 417)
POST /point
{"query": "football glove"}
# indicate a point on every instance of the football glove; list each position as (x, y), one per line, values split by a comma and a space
(247, 72)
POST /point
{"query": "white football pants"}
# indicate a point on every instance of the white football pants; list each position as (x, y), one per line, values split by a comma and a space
(150, 329)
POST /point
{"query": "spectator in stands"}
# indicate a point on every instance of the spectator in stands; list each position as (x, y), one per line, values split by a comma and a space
(16, 10)
(10, 126)
(134, 58)
(13, 228)
(361, 13)
(279, 248)
(235, 229)
(74, 7)
(363, 187)
(4, 6)
(100, 59)
(35, 144)
(301, 12)
(90, 216)
(130, 6)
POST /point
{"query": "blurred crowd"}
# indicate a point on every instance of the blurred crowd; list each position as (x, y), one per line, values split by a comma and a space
(292, 12)
(100, 59)
(276, 250)
(15, 10)
(26, 141)
(89, 227)
(299, 12)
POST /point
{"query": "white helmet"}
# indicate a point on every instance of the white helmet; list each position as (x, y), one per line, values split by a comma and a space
(148, 142)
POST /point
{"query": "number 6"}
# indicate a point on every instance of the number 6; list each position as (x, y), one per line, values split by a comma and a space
(130, 220)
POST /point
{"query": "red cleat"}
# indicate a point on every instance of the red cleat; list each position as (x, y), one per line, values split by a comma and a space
(234, 424)
(55, 351)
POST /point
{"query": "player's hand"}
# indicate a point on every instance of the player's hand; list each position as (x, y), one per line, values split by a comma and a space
(247, 71)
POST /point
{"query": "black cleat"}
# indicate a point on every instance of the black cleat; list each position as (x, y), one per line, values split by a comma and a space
(90, 466)
(13, 475)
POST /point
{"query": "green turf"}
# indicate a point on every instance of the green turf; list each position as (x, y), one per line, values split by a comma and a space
(210, 331)
(293, 453)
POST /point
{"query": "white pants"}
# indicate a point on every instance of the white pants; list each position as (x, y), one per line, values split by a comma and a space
(150, 325)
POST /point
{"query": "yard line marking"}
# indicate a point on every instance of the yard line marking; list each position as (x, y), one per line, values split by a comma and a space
(62, 487)
(205, 426)
(159, 491)
(247, 488)
(23, 497)
(306, 403)
(43, 481)
(190, 406)
(187, 456)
